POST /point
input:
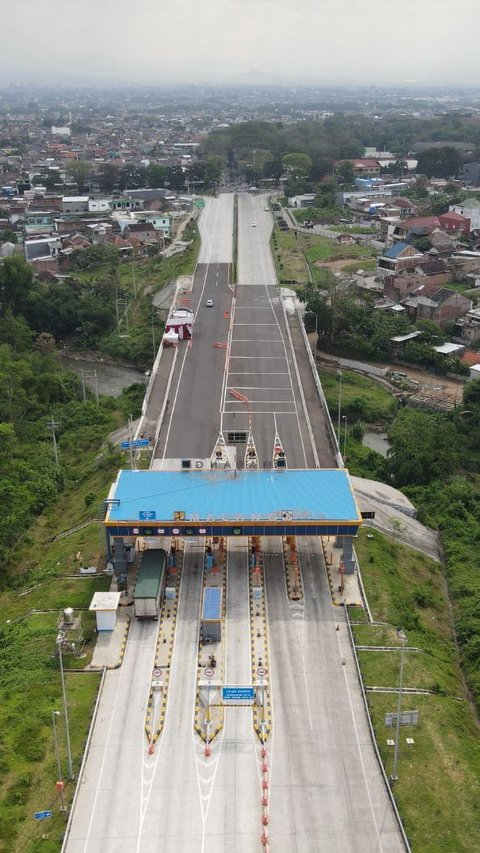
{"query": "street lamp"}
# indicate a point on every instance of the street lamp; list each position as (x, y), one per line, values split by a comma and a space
(57, 753)
(60, 638)
(403, 637)
(345, 440)
(339, 374)
(147, 378)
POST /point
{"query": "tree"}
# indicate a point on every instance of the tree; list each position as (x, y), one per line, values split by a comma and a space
(471, 393)
(439, 162)
(108, 176)
(346, 172)
(297, 167)
(424, 448)
(16, 279)
(80, 171)
(156, 175)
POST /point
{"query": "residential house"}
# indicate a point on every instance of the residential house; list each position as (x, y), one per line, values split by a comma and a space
(441, 244)
(468, 327)
(38, 223)
(417, 226)
(396, 259)
(160, 221)
(345, 239)
(75, 204)
(126, 203)
(404, 206)
(414, 281)
(141, 233)
(454, 223)
(470, 209)
(366, 166)
(99, 205)
(442, 307)
(41, 247)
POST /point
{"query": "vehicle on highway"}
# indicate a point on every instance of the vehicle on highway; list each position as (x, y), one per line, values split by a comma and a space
(209, 303)
(150, 584)
(254, 224)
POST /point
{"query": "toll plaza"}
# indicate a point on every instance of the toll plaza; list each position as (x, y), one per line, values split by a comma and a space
(229, 503)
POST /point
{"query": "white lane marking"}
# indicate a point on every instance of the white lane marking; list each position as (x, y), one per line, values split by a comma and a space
(259, 357)
(187, 350)
(359, 748)
(172, 411)
(113, 721)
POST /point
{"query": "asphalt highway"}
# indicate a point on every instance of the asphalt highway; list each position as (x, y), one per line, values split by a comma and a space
(326, 794)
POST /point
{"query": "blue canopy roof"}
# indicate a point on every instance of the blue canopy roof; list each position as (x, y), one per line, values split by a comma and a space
(232, 496)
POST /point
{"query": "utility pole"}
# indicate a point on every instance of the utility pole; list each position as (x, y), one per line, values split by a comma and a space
(84, 390)
(339, 374)
(59, 766)
(402, 636)
(60, 638)
(53, 425)
(130, 440)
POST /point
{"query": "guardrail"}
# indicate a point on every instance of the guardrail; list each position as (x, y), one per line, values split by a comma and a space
(321, 395)
(374, 740)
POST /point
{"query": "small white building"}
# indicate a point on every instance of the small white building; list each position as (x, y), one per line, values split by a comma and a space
(99, 205)
(105, 605)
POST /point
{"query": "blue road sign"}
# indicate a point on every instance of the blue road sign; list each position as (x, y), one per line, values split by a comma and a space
(244, 694)
(147, 515)
(42, 815)
(138, 442)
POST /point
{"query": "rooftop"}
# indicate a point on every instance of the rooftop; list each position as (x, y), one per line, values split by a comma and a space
(207, 495)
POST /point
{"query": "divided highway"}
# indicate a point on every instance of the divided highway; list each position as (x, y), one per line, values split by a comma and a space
(326, 793)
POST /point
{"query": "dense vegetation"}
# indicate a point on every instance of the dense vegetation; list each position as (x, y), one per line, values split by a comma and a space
(435, 460)
(350, 326)
(260, 150)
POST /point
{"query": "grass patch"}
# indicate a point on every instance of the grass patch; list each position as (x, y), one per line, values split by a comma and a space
(362, 398)
(354, 229)
(28, 769)
(323, 249)
(367, 265)
(43, 575)
(438, 790)
(289, 259)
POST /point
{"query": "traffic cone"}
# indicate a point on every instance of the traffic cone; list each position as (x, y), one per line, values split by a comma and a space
(264, 801)
(151, 749)
(265, 819)
(264, 838)
(208, 751)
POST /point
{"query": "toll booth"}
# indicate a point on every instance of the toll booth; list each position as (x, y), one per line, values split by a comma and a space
(212, 614)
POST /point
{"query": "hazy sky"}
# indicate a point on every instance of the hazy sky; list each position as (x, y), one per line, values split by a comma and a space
(319, 41)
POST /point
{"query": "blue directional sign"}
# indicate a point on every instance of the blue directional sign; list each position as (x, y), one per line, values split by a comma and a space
(138, 442)
(42, 815)
(244, 694)
(147, 515)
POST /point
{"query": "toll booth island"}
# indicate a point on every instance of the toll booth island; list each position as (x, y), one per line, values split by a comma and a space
(149, 504)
